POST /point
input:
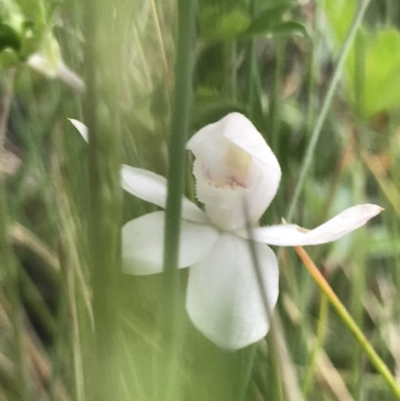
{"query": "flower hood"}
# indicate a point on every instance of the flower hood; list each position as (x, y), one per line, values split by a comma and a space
(233, 163)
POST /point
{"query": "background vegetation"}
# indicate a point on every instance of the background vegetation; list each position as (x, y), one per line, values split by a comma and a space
(321, 81)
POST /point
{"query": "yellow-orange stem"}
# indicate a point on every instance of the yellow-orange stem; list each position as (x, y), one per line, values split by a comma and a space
(349, 322)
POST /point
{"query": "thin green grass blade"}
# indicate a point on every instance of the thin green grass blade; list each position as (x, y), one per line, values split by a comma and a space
(181, 117)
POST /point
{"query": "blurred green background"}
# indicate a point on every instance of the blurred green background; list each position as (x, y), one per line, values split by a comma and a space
(61, 206)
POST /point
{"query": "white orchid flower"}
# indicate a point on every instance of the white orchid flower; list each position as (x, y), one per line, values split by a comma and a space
(232, 163)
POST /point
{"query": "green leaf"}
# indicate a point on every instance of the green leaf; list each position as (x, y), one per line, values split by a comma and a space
(210, 107)
(377, 58)
(217, 27)
(267, 19)
(8, 58)
(23, 26)
(9, 39)
(289, 28)
(382, 73)
(339, 15)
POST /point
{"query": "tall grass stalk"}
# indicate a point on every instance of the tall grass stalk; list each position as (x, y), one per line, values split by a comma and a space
(308, 157)
(317, 345)
(8, 259)
(359, 276)
(70, 303)
(288, 375)
(104, 198)
(180, 123)
(276, 101)
(250, 62)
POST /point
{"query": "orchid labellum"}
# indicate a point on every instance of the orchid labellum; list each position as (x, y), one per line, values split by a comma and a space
(233, 164)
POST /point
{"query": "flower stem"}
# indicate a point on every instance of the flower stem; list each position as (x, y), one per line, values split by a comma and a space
(326, 104)
(376, 361)
(176, 179)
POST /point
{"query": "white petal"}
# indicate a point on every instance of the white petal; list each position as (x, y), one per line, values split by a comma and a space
(149, 186)
(143, 243)
(333, 229)
(223, 295)
(233, 162)
(82, 129)
(152, 188)
(239, 130)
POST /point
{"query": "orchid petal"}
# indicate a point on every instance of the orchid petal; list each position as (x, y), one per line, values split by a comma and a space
(233, 162)
(152, 188)
(333, 229)
(82, 129)
(223, 295)
(149, 186)
(252, 142)
(238, 129)
(143, 243)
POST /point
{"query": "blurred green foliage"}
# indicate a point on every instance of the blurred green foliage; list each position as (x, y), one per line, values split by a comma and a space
(373, 64)
(357, 160)
(25, 28)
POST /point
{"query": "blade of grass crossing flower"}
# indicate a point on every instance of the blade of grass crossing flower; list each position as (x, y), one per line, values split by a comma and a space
(325, 106)
(101, 55)
(172, 330)
(287, 373)
(376, 361)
